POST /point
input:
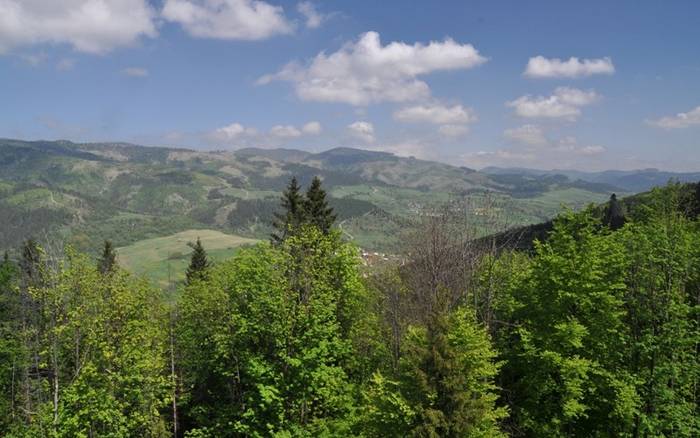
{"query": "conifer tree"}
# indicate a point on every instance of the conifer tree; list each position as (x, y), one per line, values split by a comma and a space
(108, 261)
(199, 263)
(31, 261)
(316, 207)
(614, 216)
(293, 215)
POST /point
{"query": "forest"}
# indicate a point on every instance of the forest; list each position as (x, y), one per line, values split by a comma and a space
(591, 331)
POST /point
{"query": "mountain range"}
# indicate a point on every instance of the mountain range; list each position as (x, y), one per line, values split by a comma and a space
(85, 192)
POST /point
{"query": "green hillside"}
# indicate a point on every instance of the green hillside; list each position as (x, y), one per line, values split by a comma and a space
(163, 260)
(85, 193)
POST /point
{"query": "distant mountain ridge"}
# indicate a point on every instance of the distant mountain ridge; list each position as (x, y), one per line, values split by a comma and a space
(628, 180)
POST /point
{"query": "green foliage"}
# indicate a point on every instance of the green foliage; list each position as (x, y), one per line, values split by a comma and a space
(663, 322)
(10, 347)
(86, 353)
(276, 357)
(445, 384)
(567, 365)
(599, 333)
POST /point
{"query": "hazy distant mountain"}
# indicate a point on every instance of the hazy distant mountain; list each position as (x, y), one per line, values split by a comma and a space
(627, 180)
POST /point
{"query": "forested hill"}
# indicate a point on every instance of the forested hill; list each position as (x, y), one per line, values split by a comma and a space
(614, 212)
(84, 193)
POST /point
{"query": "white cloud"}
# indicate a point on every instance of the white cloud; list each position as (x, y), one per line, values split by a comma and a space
(313, 18)
(285, 131)
(290, 131)
(565, 103)
(228, 19)
(363, 131)
(405, 149)
(234, 131)
(364, 71)
(135, 72)
(531, 135)
(541, 67)
(436, 114)
(680, 120)
(92, 26)
(453, 131)
(237, 134)
(312, 128)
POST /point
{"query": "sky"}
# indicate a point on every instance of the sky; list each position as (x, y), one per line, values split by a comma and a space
(588, 85)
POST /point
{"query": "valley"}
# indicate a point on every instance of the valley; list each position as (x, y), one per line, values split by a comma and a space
(85, 193)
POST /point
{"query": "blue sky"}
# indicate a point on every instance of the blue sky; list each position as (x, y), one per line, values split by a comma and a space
(543, 84)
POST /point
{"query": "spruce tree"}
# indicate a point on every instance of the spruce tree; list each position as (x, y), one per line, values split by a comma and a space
(293, 214)
(318, 212)
(614, 216)
(31, 262)
(108, 261)
(199, 263)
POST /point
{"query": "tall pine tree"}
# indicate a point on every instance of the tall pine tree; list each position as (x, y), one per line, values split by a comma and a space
(318, 212)
(614, 216)
(108, 261)
(199, 263)
(287, 222)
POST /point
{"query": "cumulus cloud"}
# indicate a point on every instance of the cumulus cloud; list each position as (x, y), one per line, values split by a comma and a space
(228, 19)
(311, 128)
(680, 120)
(135, 72)
(415, 149)
(237, 134)
(436, 114)
(92, 26)
(541, 67)
(363, 131)
(364, 71)
(565, 103)
(234, 131)
(313, 18)
(531, 135)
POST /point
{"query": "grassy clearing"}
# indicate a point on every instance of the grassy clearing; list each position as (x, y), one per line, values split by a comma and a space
(551, 203)
(163, 260)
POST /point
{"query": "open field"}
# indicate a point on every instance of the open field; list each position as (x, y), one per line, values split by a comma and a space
(163, 260)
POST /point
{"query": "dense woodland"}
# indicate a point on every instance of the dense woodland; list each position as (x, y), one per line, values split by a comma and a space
(594, 332)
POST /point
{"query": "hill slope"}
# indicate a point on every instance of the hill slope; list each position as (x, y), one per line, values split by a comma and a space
(86, 192)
